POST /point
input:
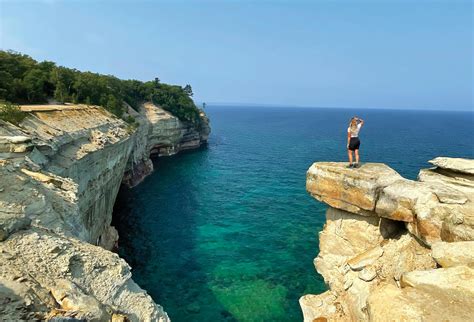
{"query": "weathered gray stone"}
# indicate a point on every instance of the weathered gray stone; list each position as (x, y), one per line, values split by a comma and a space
(12, 222)
(81, 277)
(18, 139)
(71, 298)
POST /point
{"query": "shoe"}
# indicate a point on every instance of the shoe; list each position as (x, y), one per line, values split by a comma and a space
(356, 165)
(350, 165)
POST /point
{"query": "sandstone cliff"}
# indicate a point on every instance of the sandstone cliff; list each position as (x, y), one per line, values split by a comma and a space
(393, 249)
(61, 170)
(160, 134)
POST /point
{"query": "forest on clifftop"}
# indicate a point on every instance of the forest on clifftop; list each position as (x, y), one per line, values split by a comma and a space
(24, 80)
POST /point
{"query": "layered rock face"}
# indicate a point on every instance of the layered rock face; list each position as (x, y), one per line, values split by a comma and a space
(394, 249)
(161, 134)
(61, 170)
(85, 151)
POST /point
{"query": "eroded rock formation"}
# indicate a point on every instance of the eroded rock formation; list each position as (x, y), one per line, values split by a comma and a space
(160, 134)
(393, 249)
(60, 173)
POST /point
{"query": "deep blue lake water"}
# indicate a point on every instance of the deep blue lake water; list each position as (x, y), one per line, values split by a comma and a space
(228, 232)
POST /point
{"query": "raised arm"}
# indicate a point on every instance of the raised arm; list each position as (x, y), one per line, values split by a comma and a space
(361, 121)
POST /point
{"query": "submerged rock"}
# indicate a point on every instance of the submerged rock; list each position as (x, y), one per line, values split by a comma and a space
(193, 308)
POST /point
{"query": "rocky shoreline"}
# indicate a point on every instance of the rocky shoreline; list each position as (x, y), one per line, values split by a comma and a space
(391, 249)
(61, 170)
(394, 249)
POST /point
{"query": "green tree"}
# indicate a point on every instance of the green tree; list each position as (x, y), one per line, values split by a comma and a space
(64, 77)
(34, 84)
(60, 93)
(114, 106)
(188, 90)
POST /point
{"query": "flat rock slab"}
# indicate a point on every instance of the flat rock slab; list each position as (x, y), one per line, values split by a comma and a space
(353, 190)
(454, 164)
(457, 283)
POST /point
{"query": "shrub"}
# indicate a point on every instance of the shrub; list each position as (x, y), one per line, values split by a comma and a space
(11, 113)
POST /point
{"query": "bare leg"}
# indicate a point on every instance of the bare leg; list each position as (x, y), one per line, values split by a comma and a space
(349, 153)
(357, 156)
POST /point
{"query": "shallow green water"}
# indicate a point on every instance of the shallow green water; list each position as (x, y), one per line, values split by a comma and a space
(229, 233)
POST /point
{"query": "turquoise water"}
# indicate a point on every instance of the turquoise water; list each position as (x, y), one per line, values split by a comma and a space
(228, 232)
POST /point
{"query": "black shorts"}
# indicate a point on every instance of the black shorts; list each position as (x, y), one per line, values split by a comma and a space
(354, 144)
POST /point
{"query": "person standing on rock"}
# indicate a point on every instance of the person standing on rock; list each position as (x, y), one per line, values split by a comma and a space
(353, 142)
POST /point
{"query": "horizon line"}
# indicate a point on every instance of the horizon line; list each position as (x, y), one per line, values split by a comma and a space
(237, 104)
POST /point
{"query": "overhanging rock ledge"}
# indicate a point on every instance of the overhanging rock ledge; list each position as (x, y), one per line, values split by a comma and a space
(394, 248)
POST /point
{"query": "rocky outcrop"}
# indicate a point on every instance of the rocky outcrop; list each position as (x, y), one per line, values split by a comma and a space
(160, 134)
(385, 239)
(438, 207)
(46, 274)
(61, 170)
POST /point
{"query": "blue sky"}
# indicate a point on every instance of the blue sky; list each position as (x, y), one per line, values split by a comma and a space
(382, 54)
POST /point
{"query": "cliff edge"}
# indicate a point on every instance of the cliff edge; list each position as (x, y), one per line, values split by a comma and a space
(394, 249)
(61, 169)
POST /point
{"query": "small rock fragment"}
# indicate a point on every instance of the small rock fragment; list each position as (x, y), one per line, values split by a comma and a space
(367, 274)
(348, 283)
(364, 259)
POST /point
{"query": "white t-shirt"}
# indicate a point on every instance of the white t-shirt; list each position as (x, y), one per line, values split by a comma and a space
(356, 132)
